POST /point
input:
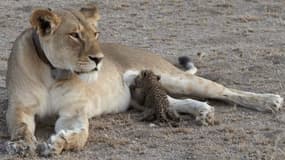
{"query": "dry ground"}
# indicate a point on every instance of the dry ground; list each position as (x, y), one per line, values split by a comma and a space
(242, 45)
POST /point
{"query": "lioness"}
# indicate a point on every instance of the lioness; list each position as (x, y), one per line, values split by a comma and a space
(58, 67)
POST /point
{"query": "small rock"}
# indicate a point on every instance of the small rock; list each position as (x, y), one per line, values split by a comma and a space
(152, 125)
(201, 54)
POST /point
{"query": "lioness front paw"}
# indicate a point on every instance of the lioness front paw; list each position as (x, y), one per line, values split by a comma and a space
(206, 115)
(20, 147)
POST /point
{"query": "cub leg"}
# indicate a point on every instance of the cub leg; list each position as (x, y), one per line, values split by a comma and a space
(148, 115)
(21, 126)
(71, 134)
(172, 115)
(136, 105)
(186, 84)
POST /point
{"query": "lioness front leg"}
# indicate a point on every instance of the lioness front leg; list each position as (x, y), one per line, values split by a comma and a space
(185, 84)
(71, 134)
(21, 126)
(203, 112)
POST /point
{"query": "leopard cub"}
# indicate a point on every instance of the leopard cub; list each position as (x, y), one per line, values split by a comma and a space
(148, 91)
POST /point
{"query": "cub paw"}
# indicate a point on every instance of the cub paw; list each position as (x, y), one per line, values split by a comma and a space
(45, 150)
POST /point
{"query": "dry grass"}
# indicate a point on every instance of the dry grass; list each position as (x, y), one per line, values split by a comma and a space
(246, 18)
(112, 142)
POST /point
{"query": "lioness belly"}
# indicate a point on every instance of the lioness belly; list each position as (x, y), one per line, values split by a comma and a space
(111, 100)
(109, 92)
(117, 100)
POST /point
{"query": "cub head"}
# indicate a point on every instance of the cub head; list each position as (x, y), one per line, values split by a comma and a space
(145, 78)
(69, 38)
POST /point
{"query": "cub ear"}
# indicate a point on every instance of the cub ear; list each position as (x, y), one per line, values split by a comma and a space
(44, 21)
(144, 74)
(158, 78)
(91, 13)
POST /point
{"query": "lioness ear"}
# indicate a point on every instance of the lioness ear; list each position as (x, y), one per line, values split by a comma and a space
(91, 13)
(44, 21)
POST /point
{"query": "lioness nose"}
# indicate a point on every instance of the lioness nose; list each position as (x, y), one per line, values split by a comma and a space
(97, 60)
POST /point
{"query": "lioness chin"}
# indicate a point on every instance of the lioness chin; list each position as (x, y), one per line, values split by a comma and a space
(58, 67)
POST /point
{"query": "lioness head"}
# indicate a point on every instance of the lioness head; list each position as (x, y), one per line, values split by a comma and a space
(69, 38)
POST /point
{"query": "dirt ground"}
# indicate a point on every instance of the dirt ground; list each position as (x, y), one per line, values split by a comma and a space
(239, 43)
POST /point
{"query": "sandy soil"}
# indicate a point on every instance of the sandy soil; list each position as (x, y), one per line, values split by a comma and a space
(239, 43)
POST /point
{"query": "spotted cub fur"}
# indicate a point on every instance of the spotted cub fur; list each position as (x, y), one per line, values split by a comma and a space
(149, 92)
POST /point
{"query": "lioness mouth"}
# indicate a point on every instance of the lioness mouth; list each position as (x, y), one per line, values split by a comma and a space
(94, 69)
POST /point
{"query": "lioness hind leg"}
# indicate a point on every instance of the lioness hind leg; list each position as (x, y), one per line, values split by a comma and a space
(71, 134)
(181, 83)
(21, 127)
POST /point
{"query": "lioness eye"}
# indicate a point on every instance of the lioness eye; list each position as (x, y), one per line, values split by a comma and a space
(74, 35)
(96, 34)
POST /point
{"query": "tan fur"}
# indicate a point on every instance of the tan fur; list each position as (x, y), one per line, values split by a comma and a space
(32, 90)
